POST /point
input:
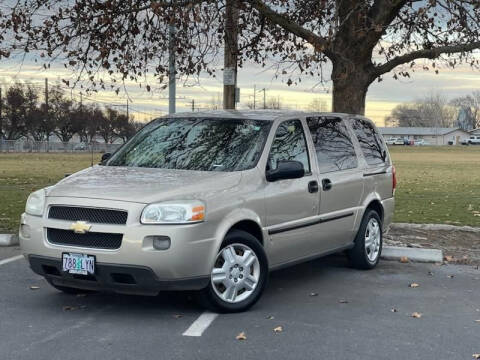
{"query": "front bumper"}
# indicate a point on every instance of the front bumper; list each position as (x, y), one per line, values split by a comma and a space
(190, 256)
(124, 279)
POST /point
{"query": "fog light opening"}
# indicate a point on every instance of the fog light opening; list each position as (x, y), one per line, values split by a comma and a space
(159, 242)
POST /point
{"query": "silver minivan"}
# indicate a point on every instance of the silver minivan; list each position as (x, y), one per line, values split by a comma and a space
(212, 202)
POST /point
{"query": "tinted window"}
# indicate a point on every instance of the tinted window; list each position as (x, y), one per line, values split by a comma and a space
(289, 144)
(370, 141)
(333, 144)
(206, 144)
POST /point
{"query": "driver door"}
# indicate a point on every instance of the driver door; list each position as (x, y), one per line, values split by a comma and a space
(291, 202)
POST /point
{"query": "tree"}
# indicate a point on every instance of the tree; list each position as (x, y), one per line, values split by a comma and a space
(470, 105)
(15, 112)
(355, 41)
(433, 110)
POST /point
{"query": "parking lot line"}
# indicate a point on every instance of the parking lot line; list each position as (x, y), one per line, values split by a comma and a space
(12, 259)
(201, 324)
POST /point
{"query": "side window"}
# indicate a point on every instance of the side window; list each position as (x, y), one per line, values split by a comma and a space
(333, 145)
(289, 144)
(370, 141)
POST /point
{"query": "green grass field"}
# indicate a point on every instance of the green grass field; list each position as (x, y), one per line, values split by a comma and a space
(435, 184)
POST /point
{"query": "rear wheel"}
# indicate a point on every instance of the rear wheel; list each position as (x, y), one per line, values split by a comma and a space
(368, 242)
(239, 274)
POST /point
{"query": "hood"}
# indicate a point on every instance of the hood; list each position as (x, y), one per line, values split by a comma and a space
(143, 185)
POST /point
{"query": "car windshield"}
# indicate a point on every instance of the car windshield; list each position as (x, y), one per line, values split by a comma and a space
(205, 144)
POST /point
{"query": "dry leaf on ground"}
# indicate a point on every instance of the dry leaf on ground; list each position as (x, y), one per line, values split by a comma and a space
(343, 301)
(416, 315)
(33, 287)
(476, 356)
(278, 329)
(414, 285)
(313, 294)
(270, 317)
(177, 316)
(451, 276)
(448, 258)
(241, 336)
(394, 310)
(69, 308)
(404, 259)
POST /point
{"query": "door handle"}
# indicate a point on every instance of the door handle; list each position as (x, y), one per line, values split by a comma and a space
(313, 187)
(326, 184)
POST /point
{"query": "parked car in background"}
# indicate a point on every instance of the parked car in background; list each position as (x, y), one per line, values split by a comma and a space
(472, 140)
(240, 194)
(394, 141)
(80, 147)
(421, 142)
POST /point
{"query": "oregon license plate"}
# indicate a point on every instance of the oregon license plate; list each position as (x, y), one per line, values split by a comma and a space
(78, 264)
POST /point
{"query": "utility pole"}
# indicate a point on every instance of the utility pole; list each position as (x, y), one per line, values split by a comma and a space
(254, 96)
(128, 113)
(172, 91)
(231, 53)
(46, 114)
(264, 98)
(1, 122)
(193, 105)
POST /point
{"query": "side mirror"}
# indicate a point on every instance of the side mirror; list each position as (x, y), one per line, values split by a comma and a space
(105, 157)
(286, 169)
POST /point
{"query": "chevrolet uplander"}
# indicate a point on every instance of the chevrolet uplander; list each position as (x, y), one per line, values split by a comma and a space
(212, 202)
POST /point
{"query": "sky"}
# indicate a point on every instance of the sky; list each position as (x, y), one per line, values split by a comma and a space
(381, 99)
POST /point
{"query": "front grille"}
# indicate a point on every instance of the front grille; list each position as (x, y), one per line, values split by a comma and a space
(87, 240)
(92, 215)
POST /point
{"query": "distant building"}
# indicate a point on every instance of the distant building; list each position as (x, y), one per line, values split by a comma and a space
(475, 132)
(432, 135)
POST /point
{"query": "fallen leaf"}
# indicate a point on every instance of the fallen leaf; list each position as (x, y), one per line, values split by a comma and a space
(430, 273)
(394, 310)
(476, 356)
(241, 336)
(33, 287)
(477, 321)
(343, 301)
(448, 258)
(416, 315)
(450, 276)
(404, 259)
(414, 285)
(69, 308)
(270, 317)
(278, 329)
(177, 316)
(313, 294)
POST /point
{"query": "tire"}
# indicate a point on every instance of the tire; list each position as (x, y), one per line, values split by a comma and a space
(70, 290)
(362, 256)
(220, 298)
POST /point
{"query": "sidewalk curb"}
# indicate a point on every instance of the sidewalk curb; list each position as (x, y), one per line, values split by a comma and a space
(8, 240)
(413, 254)
(439, 227)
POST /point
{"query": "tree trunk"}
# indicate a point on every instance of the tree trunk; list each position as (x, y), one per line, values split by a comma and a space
(350, 86)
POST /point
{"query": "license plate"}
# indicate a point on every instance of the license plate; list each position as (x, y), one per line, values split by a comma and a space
(78, 264)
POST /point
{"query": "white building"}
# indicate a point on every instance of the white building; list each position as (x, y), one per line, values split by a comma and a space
(432, 135)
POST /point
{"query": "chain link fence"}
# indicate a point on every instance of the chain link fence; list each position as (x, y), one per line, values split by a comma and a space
(31, 146)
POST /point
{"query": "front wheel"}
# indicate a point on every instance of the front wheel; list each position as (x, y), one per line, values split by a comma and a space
(239, 274)
(368, 242)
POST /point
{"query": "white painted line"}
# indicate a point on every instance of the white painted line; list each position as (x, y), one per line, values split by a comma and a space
(201, 324)
(12, 259)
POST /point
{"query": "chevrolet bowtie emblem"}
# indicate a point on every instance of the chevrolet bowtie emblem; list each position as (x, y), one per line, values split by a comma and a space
(80, 227)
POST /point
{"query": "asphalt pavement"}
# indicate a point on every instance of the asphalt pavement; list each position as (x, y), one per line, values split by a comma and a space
(320, 310)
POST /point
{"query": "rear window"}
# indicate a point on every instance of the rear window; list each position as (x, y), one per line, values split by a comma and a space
(370, 141)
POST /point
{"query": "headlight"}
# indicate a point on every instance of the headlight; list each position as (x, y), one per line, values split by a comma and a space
(36, 203)
(174, 212)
